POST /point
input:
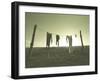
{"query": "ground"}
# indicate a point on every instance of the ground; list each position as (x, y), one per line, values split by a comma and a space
(56, 56)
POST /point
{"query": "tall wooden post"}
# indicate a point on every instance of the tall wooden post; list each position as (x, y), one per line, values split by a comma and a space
(81, 39)
(32, 41)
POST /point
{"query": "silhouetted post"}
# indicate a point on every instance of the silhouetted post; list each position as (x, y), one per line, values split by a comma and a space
(81, 39)
(32, 41)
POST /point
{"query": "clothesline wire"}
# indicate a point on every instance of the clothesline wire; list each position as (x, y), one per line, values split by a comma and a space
(51, 32)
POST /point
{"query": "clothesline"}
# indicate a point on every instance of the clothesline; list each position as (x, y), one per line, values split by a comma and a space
(51, 32)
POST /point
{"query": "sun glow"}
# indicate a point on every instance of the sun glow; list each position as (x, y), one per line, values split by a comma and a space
(75, 42)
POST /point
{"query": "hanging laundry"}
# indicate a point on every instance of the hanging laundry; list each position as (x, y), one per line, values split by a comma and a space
(57, 39)
(69, 38)
(49, 39)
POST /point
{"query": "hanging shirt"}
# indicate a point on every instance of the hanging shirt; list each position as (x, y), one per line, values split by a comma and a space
(49, 39)
(57, 39)
(69, 38)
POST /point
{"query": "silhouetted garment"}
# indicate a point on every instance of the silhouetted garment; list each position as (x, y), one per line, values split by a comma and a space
(57, 39)
(49, 39)
(69, 38)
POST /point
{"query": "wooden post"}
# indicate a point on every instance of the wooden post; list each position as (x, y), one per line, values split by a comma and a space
(32, 41)
(81, 39)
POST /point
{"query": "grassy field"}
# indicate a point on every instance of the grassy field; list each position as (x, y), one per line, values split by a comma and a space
(56, 56)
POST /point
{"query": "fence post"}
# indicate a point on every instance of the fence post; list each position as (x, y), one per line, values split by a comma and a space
(81, 39)
(32, 41)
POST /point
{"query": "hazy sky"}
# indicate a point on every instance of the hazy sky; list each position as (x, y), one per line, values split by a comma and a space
(62, 24)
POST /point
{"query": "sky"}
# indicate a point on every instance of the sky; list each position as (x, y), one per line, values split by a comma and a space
(61, 24)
